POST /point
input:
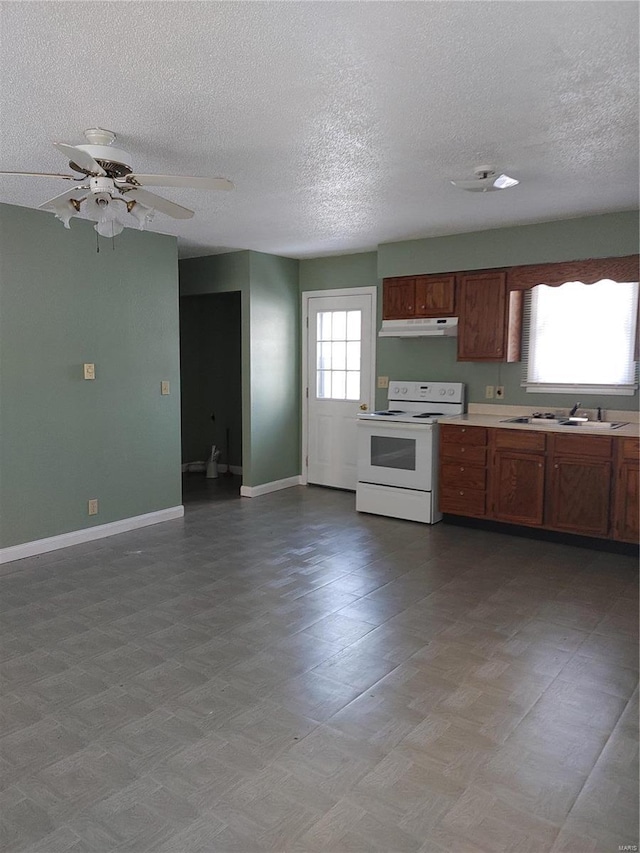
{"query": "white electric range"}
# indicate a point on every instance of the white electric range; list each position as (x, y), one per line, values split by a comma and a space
(398, 450)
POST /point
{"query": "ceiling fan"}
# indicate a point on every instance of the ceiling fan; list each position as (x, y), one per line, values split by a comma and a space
(107, 189)
(486, 181)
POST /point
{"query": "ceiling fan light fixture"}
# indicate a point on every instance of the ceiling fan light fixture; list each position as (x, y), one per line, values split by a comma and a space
(142, 214)
(109, 227)
(504, 182)
(64, 212)
(486, 181)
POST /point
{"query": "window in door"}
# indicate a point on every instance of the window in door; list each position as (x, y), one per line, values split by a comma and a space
(581, 338)
(338, 355)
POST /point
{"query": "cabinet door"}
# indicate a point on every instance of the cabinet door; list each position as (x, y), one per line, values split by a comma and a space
(626, 525)
(435, 296)
(482, 306)
(398, 298)
(580, 495)
(517, 487)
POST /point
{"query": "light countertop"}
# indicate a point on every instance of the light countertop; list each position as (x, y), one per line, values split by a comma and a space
(630, 430)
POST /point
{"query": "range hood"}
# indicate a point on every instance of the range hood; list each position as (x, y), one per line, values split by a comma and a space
(422, 327)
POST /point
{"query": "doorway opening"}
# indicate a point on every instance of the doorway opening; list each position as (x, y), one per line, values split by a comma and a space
(211, 397)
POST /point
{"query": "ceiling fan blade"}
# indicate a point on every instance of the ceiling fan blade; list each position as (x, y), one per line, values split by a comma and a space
(41, 175)
(177, 181)
(80, 158)
(58, 199)
(170, 208)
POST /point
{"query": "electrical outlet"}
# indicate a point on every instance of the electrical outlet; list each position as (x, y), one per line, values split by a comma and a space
(89, 371)
(488, 392)
(93, 506)
(383, 381)
(164, 387)
(500, 392)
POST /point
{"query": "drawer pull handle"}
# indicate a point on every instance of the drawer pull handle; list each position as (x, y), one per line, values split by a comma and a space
(556, 466)
(462, 450)
(462, 493)
(463, 429)
(462, 469)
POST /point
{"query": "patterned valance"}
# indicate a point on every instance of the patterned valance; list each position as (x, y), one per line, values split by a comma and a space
(588, 271)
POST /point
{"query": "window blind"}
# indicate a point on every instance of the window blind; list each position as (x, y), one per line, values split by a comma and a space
(579, 337)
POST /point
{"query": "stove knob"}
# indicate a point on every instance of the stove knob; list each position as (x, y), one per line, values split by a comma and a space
(451, 392)
(396, 390)
(442, 392)
(404, 390)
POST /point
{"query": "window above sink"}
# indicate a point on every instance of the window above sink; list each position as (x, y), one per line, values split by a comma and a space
(579, 338)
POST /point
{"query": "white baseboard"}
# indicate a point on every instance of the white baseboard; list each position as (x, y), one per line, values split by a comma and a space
(265, 488)
(235, 469)
(76, 537)
(190, 467)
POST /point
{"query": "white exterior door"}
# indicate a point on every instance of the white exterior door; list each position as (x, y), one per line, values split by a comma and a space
(340, 351)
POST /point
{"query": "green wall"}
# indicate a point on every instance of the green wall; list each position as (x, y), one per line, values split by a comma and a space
(270, 350)
(429, 358)
(64, 439)
(564, 240)
(275, 368)
(211, 376)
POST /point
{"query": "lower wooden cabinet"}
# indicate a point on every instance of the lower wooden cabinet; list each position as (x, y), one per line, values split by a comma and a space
(517, 487)
(586, 485)
(579, 499)
(626, 502)
(463, 470)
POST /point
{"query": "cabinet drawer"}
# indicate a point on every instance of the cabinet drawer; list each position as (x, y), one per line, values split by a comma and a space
(450, 434)
(463, 453)
(518, 439)
(463, 501)
(582, 445)
(629, 448)
(463, 476)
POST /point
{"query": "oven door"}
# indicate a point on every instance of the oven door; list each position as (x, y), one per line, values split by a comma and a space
(396, 454)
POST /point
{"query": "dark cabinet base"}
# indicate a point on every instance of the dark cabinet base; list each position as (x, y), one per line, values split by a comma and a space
(611, 546)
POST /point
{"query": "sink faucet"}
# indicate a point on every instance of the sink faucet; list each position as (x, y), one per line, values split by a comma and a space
(574, 409)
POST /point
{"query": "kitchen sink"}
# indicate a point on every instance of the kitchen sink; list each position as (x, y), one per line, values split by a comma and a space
(566, 422)
(593, 424)
(529, 420)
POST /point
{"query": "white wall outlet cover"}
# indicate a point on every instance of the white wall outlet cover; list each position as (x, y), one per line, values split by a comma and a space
(92, 506)
(164, 387)
(89, 371)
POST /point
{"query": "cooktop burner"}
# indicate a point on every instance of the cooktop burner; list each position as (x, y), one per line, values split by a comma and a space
(390, 412)
(429, 415)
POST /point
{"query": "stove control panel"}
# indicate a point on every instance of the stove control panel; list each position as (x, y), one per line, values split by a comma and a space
(451, 392)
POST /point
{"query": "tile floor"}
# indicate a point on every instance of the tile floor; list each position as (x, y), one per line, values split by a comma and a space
(283, 674)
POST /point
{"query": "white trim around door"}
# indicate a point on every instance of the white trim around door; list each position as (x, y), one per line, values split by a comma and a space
(306, 296)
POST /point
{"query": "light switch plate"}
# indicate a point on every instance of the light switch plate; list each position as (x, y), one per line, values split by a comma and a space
(383, 381)
(89, 371)
(164, 387)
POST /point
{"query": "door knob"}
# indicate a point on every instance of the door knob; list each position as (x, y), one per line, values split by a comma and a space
(363, 407)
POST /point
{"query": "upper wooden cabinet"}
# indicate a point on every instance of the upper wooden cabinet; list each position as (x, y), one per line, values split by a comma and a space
(418, 296)
(489, 318)
(398, 298)
(435, 295)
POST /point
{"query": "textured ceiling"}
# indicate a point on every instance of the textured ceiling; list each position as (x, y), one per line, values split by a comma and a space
(339, 123)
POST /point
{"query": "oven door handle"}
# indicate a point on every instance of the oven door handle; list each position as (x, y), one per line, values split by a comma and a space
(376, 425)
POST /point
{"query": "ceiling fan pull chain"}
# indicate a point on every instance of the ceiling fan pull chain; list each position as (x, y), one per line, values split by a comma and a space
(97, 243)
